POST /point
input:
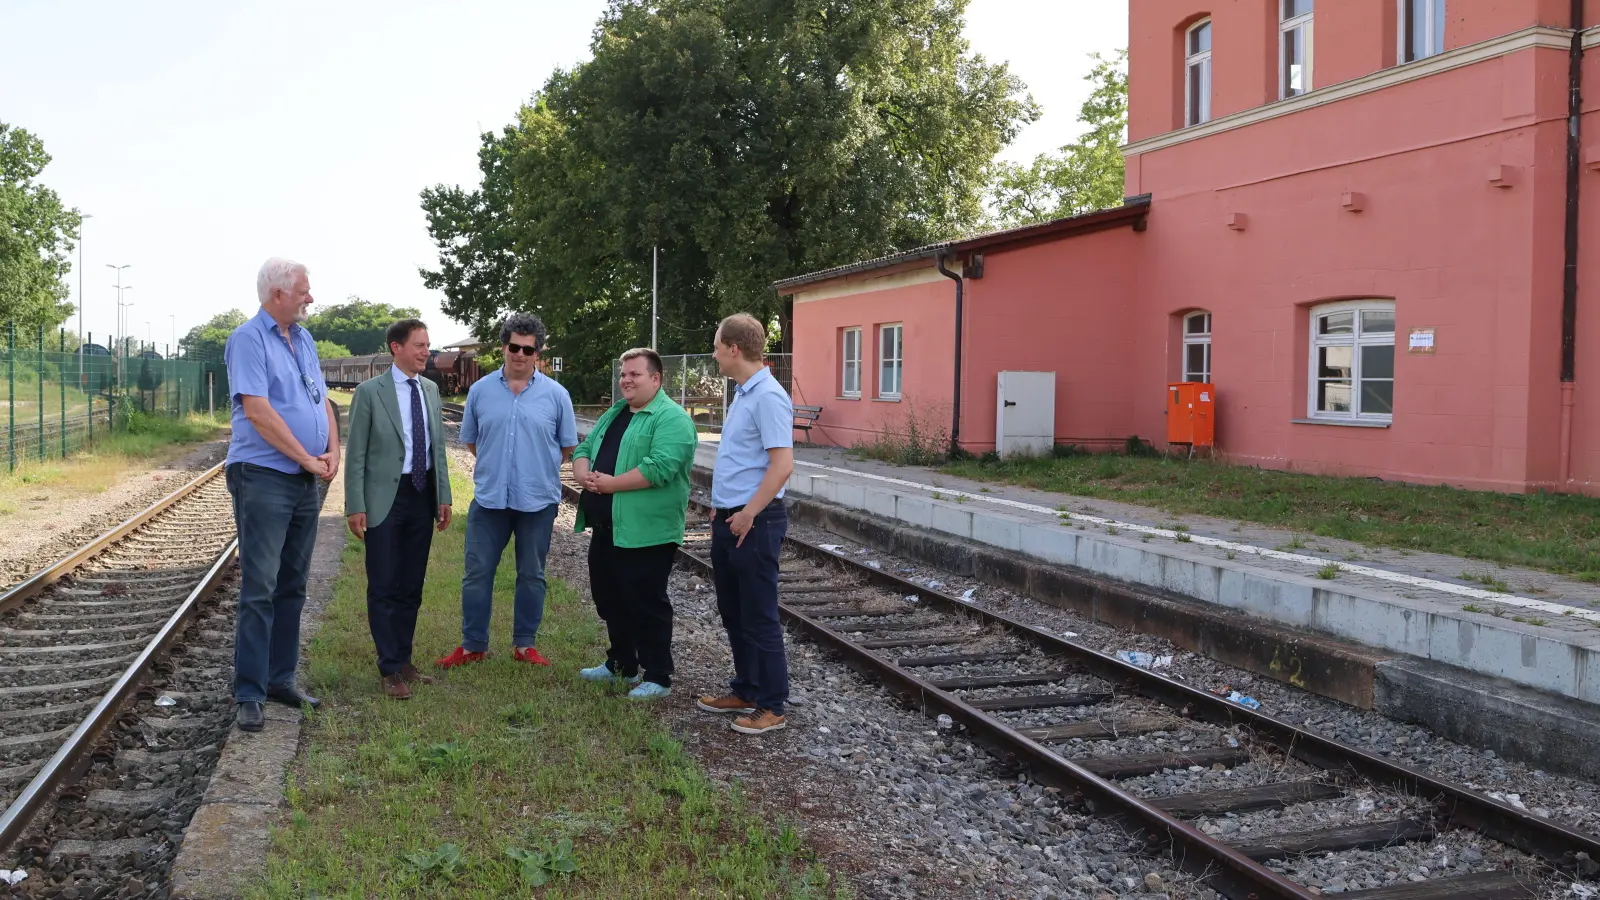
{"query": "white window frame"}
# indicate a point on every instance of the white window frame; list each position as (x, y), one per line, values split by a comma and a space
(1196, 65)
(1197, 339)
(1287, 26)
(1356, 340)
(1432, 25)
(847, 362)
(897, 361)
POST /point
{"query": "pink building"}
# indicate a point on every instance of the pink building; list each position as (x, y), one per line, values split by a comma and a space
(1362, 221)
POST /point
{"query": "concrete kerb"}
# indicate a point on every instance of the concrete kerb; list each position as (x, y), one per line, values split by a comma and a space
(224, 850)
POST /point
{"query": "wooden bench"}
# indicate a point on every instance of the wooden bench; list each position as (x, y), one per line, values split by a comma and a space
(805, 417)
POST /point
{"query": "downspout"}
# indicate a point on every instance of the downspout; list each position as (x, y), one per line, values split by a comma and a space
(955, 414)
(1569, 281)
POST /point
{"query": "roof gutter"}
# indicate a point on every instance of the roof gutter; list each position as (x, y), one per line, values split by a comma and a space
(1569, 279)
(955, 413)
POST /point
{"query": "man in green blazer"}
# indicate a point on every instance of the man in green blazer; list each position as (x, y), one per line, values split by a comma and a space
(396, 487)
(634, 469)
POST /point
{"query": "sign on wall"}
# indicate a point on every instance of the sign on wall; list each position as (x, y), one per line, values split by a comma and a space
(1421, 341)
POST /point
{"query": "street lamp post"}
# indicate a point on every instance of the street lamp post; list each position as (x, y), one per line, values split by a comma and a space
(120, 288)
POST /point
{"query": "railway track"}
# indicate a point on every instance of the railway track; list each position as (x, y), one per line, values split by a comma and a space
(1234, 795)
(452, 411)
(108, 723)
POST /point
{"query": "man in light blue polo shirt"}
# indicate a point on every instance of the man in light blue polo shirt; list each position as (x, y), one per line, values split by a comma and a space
(285, 437)
(754, 460)
(520, 426)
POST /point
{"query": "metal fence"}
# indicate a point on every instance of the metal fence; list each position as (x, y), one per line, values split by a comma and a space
(694, 381)
(60, 401)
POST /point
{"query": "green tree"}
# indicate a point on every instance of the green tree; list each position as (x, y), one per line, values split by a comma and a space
(37, 236)
(206, 341)
(1087, 174)
(330, 350)
(357, 324)
(748, 140)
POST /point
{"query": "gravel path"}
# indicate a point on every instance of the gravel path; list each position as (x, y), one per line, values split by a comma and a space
(45, 529)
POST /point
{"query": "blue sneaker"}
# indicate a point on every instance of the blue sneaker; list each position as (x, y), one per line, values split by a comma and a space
(603, 673)
(649, 690)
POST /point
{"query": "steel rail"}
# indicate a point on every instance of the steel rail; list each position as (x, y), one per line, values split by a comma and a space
(38, 581)
(1459, 806)
(59, 769)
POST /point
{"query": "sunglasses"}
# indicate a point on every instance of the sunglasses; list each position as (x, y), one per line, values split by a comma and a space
(524, 349)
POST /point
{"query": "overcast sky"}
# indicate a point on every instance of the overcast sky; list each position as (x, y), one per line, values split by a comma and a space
(205, 137)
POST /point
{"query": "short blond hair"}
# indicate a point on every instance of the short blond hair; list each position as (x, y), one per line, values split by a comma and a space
(743, 331)
(652, 359)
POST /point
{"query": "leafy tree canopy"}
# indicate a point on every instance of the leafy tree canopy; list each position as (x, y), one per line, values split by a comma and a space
(206, 341)
(37, 236)
(357, 324)
(1087, 174)
(748, 140)
(330, 350)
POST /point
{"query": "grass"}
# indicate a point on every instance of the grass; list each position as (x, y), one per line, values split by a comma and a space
(1557, 533)
(504, 776)
(97, 468)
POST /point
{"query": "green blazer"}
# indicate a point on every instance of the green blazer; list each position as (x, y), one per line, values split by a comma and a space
(375, 451)
(660, 443)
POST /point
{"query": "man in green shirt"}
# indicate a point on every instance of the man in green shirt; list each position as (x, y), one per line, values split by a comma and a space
(634, 470)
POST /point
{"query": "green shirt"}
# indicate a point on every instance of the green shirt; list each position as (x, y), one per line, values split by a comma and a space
(660, 443)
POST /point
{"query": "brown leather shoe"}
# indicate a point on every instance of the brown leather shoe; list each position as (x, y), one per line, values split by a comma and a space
(395, 686)
(762, 722)
(728, 704)
(410, 675)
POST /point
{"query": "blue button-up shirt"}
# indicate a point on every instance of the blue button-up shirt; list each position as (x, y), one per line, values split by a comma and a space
(519, 439)
(402, 395)
(262, 364)
(761, 418)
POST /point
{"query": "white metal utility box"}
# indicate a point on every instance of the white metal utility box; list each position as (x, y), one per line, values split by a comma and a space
(1025, 413)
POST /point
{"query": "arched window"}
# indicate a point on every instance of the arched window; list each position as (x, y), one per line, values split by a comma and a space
(1352, 361)
(1294, 48)
(1197, 73)
(1197, 347)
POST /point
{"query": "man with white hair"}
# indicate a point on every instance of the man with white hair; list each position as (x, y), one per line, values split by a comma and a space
(285, 437)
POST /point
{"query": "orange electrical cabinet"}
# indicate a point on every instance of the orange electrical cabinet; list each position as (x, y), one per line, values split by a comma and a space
(1191, 414)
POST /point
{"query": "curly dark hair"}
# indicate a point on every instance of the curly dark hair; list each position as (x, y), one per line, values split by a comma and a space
(524, 324)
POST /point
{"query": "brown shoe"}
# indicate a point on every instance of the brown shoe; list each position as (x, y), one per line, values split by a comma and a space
(410, 675)
(395, 686)
(760, 723)
(728, 704)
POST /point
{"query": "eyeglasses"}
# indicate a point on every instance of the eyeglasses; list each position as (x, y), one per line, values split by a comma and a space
(311, 387)
(524, 349)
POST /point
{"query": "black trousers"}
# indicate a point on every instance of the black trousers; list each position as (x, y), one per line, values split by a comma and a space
(397, 564)
(629, 585)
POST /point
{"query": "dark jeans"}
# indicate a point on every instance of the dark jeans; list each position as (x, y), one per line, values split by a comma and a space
(747, 596)
(629, 585)
(488, 531)
(397, 563)
(276, 515)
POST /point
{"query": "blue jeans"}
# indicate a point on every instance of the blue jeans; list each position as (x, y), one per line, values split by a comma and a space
(746, 578)
(488, 530)
(276, 515)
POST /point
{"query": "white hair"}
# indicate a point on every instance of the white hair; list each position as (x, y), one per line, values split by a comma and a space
(276, 272)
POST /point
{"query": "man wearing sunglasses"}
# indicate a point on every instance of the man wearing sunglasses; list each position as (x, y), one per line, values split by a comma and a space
(284, 438)
(519, 427)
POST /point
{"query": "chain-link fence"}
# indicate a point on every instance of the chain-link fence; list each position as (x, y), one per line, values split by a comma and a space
(695, 382)
(59, 401)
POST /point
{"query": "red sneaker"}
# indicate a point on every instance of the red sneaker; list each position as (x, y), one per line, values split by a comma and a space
(529, 655)
(459, 657)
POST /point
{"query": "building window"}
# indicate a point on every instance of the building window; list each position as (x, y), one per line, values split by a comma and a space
(850, 352)
(1421, 29)
(1197, 78)
(1352, 361)
(889, 362)
(1294, 47)
(1197, 347)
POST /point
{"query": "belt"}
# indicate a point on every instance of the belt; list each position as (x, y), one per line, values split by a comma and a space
(725, 513)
